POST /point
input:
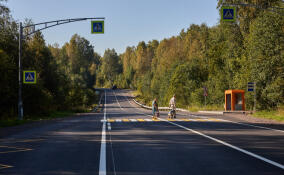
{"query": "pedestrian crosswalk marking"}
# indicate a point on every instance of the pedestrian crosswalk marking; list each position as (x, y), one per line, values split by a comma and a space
(158, 120)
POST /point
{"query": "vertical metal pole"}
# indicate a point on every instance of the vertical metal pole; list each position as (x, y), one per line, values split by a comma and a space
(205, 102)
(20, 102)
(254, 105)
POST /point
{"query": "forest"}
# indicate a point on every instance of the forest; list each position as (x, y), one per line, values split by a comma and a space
(225, 56)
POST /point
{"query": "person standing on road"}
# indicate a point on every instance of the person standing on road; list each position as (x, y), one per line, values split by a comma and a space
(172, 105)
(155, 108)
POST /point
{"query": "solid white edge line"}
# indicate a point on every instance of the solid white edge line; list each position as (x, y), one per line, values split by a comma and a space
(227, 144)
(254, 126)
(231, 146)
(102, 167)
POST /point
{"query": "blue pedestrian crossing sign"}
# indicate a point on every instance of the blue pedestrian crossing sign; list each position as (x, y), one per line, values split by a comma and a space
(29, 77)
(97, 27)
(228, 14)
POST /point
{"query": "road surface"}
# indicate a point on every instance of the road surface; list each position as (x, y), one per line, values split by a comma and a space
(124, 140)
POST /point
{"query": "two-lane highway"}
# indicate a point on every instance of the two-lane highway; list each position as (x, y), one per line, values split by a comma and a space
(123, 139)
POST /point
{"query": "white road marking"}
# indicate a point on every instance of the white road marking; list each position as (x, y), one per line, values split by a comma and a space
(108, 126)
(118, 120)
(229, 145)
(2, 166)
(16, 149)
(133, 120)
(225, 143)
(148, 120)
(255, 126)
(117, 101)
(102, 169)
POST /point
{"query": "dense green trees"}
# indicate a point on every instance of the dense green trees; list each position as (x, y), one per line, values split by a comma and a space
(65, 76)
(225, 56)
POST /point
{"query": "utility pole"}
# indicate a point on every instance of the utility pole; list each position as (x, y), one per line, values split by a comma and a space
(20, 102)
(22, 36)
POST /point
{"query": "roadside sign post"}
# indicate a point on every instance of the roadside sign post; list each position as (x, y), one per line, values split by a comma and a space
(44, 25)
(252, 88)
(205, 94)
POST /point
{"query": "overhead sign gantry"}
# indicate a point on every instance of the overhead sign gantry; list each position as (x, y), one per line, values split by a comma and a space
(30, 77)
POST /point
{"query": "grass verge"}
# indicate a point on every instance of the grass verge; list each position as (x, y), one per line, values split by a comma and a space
(277, 115)
(195, 108)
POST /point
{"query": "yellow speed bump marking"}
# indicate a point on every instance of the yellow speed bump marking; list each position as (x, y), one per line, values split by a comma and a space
(16, 149)
(169, 119)
(125, 120)
(141, 120)
(110, 120)
(5, 166)
(214, 119)
(156, 120)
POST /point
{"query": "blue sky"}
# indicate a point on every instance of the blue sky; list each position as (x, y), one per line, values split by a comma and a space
(127, 21)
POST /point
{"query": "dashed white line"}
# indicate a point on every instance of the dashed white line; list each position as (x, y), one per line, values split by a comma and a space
(117, 101)
(108, 126)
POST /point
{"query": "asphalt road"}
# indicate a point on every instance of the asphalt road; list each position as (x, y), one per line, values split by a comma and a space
(123, 139)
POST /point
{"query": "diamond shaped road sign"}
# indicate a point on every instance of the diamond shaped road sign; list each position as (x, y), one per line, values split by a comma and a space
(97, 27)
(228, 14)
(30, 77)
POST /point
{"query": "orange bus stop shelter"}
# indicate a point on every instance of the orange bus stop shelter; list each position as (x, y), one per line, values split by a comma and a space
(235, 100)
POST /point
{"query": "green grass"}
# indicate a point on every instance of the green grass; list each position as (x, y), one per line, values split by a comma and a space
(195, 108)
(274, 115)
(12, 122)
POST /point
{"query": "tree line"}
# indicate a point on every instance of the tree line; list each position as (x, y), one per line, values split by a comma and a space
(221, 57)
(65, 76)
(225, 56)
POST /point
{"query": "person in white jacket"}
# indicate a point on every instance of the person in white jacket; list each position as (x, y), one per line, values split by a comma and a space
(172, 105)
